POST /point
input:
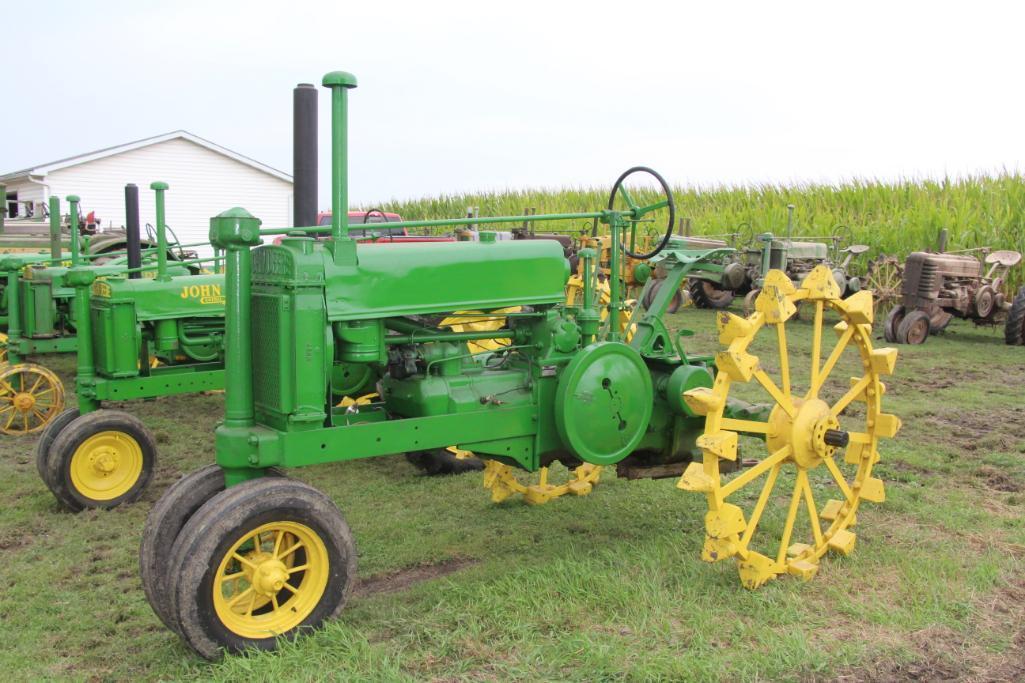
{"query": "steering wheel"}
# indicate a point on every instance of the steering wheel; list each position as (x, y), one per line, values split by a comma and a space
(639, 211)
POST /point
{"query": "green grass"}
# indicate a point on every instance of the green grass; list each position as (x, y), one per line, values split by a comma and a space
(892, 217)
(608, 586)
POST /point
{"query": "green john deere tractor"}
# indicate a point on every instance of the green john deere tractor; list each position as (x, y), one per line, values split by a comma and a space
(236, 556)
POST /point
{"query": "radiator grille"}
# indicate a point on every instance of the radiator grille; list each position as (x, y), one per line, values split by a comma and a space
(266, 327)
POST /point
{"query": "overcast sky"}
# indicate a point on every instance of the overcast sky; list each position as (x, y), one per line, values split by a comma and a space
(459, 96)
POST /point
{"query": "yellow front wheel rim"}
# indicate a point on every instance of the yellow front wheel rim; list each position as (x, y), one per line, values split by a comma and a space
(271, 579)
(106, 466)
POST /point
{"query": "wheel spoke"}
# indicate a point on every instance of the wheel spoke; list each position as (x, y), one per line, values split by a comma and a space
(627, 198)
(788, 528)
(785, 403)
(291, 549)
(747, 426)
(784, 358)
(277, 543)
(244, 560)
(10, 420)
(841, 346)
(652, 207)
(763, 498)
(816, 345)
(834, 469)
(295, 591)
(851, 394)
(238, 598)
(35, 384)
(755, 472)
(300, 568)
(274, 602)
(252, 604)
(809, 501)
(232, 577)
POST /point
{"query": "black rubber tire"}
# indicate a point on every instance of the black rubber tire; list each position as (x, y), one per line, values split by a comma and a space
(58, 463)
(704, 294)
(749, 302)
(216, 526)
(892, 323)
(1014, 328)
(163, 524)
(911, 323)
(46, 437)
(442, 461)
(674, 304)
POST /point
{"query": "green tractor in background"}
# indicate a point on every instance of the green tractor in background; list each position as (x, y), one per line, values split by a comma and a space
(744, 274)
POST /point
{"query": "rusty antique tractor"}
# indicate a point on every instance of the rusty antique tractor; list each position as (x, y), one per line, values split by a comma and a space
(938, 287)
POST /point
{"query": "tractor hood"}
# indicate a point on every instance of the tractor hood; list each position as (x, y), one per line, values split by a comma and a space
(185, 296)
(419, 278)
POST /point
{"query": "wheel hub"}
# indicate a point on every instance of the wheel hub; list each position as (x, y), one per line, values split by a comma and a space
(812, 434)
(104, 460)
(24, 401)
(266, 574)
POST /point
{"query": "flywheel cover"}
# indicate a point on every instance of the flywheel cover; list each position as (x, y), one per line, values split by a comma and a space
(603, 403)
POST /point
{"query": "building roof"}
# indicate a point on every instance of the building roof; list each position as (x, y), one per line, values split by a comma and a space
(43, 169)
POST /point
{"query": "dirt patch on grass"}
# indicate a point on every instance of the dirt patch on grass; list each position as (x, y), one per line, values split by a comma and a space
(993, 430)
(998, 480)
(406, 578)
(940, 653)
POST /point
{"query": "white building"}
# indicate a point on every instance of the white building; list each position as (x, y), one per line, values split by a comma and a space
(204, 179)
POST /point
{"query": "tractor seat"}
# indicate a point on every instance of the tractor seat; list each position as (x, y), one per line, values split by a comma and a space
(1005, 258)
(857, 249)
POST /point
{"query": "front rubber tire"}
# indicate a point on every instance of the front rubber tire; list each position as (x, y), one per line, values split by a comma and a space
(914, 328)
(165, 521)
(208, 540)
(133, 468)
(892, 323)
(50, 432)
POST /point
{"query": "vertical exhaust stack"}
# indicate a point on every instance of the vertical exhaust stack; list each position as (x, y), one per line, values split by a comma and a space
(133, 246)
(304, 155)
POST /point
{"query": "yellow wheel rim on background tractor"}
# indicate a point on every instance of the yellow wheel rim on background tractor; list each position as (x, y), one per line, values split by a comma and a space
(30, 396)
(106, 465)
(271, 579)
(3, 348)
(803, 433)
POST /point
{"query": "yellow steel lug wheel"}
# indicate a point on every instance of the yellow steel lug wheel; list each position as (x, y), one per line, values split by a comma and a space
(30, 396)
(258, 561)
(100, 460)
(821, 435)
(501, 480)
(478, 321)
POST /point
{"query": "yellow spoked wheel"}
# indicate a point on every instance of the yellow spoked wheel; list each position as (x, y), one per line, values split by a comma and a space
(271, 579)
(476, 321)
(3, 348)
(575, 293)
(106, 465)
(501, 480)
(803, 432)
(30, 396)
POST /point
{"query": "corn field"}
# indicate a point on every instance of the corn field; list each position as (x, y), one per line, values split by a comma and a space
(893, 218)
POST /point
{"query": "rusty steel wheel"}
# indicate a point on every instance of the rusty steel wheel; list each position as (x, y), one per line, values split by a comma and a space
(884, 277)
(30, 396)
